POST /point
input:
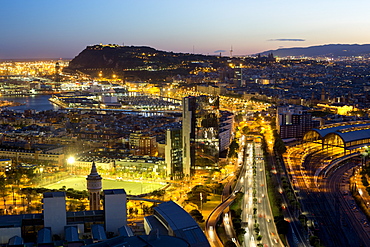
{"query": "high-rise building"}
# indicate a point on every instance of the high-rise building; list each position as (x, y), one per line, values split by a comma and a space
(239, 80)
(94, 186)
(225, 129)
(173, 153)
(293, 121)
(200, 133)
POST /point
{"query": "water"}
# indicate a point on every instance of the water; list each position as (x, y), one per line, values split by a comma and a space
(36, 102)
(42, 103)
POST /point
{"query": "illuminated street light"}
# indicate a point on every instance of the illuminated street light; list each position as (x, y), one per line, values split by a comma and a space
(201, 202)
(70, 161)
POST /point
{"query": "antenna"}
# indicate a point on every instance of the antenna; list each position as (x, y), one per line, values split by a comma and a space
(231, 52)
(193, 49)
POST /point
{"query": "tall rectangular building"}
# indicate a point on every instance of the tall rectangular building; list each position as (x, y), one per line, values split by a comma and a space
(54, 211)
(293, 121)
(115, 209)
(200, 133)
(173, 153)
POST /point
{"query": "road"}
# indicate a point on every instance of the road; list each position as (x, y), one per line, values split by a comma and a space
(213, 219)
(252, 154)
(256, 207)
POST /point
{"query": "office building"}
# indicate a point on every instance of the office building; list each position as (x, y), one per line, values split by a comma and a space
(200, 133)
(294, 121)
(225, 129)
(173, 153)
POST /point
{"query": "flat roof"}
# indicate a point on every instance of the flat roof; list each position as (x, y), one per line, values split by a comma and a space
(114, 191)
(54, 194)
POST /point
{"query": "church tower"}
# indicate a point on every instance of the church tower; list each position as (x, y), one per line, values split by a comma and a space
(94, 186)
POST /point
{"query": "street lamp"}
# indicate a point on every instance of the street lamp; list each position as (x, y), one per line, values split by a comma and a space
(14, 200)
(70, 161)
(201, 202)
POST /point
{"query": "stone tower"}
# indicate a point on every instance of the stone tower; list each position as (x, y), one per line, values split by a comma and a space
(94, 186)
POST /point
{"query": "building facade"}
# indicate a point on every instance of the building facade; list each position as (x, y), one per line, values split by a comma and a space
(5, 165)
(173, 153)
(200, 133)
(225, 129)
(294, 121)
(142, 144)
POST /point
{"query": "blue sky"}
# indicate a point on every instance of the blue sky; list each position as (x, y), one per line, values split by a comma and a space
(56, 28)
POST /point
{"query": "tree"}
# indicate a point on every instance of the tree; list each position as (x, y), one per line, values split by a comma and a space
(279, 145)
(314, 240)
(81, 206)
(281, 224)
(245, 130)
(194, 194)
(238, 118)
(230, 243)
(234, 146)
(197, 216)
(256, 228)
(3, 189)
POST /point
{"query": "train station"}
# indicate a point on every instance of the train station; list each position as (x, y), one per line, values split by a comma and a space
(351, 136)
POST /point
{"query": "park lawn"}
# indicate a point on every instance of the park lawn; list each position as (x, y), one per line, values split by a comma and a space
(131, 187)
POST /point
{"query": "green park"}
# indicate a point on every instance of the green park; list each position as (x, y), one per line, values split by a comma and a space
(131, 187)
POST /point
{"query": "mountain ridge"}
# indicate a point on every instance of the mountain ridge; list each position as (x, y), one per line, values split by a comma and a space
(328, 50)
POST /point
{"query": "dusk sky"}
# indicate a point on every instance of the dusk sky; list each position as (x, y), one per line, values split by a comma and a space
(62, 29)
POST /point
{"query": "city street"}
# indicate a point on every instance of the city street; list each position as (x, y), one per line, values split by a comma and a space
(263, 214)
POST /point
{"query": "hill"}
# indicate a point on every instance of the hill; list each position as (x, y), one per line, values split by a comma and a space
(332, 50)
(138, 61)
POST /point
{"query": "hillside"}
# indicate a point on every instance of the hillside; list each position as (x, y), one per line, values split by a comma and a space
(138, 61)
(332, 50)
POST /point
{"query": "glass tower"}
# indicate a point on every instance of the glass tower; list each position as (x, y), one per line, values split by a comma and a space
(200, 131)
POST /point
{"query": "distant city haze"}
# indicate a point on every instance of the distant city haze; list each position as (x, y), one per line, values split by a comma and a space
(62, 29)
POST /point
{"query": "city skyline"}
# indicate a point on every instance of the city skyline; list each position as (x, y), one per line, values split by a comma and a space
(43, 29)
